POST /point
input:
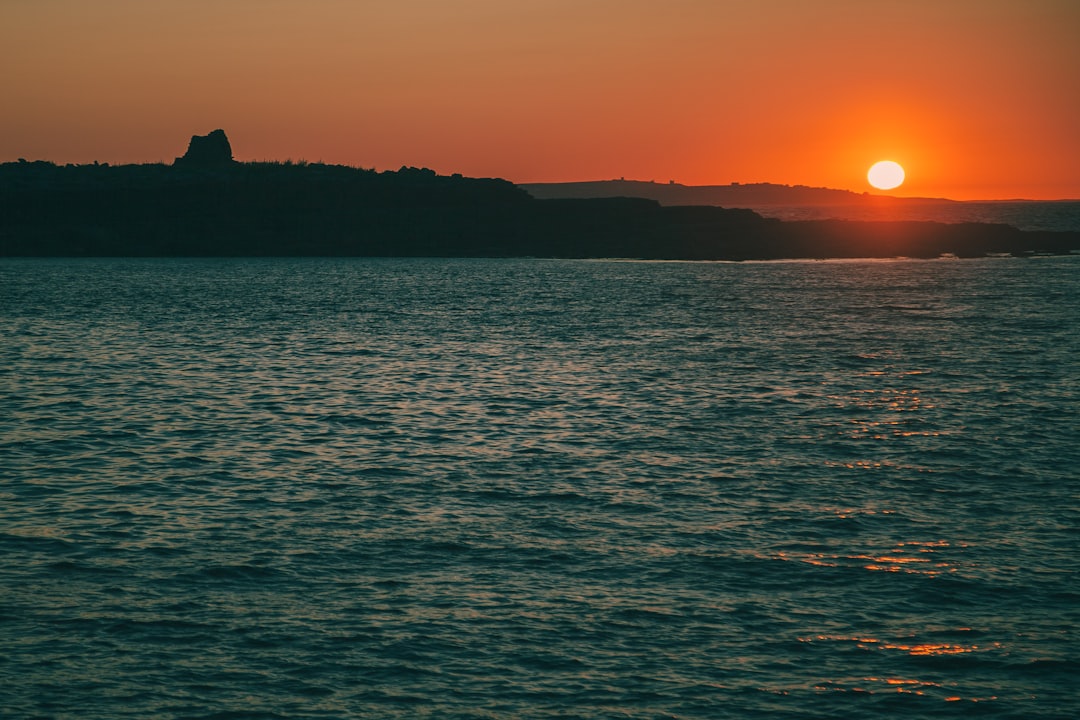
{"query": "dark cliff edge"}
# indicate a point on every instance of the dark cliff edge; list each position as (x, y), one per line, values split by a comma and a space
(210, 205)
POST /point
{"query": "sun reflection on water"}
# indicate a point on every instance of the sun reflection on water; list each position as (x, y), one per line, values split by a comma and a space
(887, 412)
(915, 649)
(900, 686)
(914, 557)
(946, 692)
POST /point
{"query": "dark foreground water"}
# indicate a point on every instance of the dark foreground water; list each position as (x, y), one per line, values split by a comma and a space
(538, 489)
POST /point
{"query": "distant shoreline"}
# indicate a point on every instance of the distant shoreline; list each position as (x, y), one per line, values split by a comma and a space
(675, 193)
(285, 209)
(798, 202)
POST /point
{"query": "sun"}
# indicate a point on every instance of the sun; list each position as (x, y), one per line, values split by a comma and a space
(885, 175)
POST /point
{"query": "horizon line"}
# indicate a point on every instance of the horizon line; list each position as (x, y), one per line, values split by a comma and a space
(302, 162)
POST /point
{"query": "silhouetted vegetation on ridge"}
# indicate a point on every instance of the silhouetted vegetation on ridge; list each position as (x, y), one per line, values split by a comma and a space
(221, 208)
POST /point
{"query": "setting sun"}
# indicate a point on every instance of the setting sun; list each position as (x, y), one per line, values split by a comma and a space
(885, 175)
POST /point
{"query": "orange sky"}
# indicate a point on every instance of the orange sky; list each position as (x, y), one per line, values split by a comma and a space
(975, 98)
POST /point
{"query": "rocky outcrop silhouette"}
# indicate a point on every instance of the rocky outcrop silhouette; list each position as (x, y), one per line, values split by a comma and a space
(211, 150)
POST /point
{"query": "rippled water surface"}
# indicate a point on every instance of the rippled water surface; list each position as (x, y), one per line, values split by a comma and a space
(538, 489)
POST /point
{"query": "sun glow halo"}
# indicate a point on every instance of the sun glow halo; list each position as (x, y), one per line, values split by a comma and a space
(885, 175)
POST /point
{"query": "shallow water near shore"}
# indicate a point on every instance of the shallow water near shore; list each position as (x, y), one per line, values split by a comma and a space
(527, 488)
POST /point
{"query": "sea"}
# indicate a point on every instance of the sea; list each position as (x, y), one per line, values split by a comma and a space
(1029, 215)
(529, 488)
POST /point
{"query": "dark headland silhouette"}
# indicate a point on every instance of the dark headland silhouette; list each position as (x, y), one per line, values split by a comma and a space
(207, 204)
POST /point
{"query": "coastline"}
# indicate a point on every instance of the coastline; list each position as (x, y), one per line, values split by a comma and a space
(285, 209)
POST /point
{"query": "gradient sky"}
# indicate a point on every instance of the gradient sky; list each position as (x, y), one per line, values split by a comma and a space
(976, 98)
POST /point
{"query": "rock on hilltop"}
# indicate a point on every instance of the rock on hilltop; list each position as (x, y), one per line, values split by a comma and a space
(212, 150)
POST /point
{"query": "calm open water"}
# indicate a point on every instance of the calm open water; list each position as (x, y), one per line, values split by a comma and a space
(538, 489)
(1058, 216)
